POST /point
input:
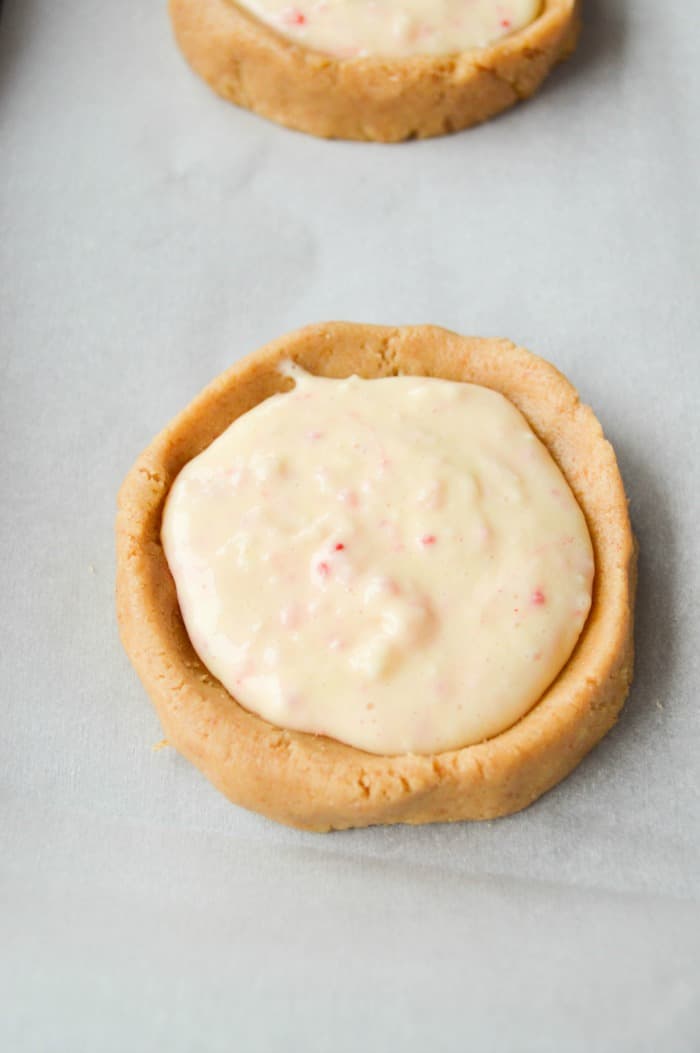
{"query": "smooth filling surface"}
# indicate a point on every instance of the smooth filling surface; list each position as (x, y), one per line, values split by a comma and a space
(398, 563)
(355, 28)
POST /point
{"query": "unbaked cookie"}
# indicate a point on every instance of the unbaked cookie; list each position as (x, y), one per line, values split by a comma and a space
(364, 94)
(318, 783)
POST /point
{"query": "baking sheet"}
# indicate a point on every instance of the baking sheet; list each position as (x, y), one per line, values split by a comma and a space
(150, 235)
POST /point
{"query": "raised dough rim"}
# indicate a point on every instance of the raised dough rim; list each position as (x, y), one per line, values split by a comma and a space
(318, 783)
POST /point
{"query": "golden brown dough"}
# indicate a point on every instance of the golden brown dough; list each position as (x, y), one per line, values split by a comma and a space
(317, 783)
(384, 99)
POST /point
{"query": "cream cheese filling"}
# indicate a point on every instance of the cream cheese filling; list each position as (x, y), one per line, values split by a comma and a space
(352, 28)
(397, 563)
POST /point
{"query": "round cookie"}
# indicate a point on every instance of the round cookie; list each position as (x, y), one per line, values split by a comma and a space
(371, 97)
(318, 783)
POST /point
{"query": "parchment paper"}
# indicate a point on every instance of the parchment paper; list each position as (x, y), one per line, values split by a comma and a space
(150, 235)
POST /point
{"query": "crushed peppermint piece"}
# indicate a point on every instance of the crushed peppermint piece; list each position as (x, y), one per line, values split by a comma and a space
(294, 17)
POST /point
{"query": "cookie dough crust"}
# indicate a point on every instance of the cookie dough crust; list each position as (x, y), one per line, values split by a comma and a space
(315, 783)
(371, 98)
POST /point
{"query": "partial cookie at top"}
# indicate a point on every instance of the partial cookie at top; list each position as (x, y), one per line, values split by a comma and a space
(369, 97)
(318, 783)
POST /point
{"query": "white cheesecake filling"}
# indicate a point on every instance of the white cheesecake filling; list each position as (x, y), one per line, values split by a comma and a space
(398, 563)
(355, 28)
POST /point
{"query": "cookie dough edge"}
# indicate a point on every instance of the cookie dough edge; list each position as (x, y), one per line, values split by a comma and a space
(318, 784)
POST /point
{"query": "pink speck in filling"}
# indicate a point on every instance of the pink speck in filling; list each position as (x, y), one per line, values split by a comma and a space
(538, 598)
(290, 616)
(506, 23)
(313, 435)
(294, 17)
(324, 569)
(349, 498)
(428, 539)
(339, 547)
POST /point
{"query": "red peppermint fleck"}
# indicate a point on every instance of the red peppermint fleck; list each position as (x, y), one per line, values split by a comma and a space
(339, 547)
(506, 23)
(295, 17)
(428, 539)
(538, 598)
(324, 569)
